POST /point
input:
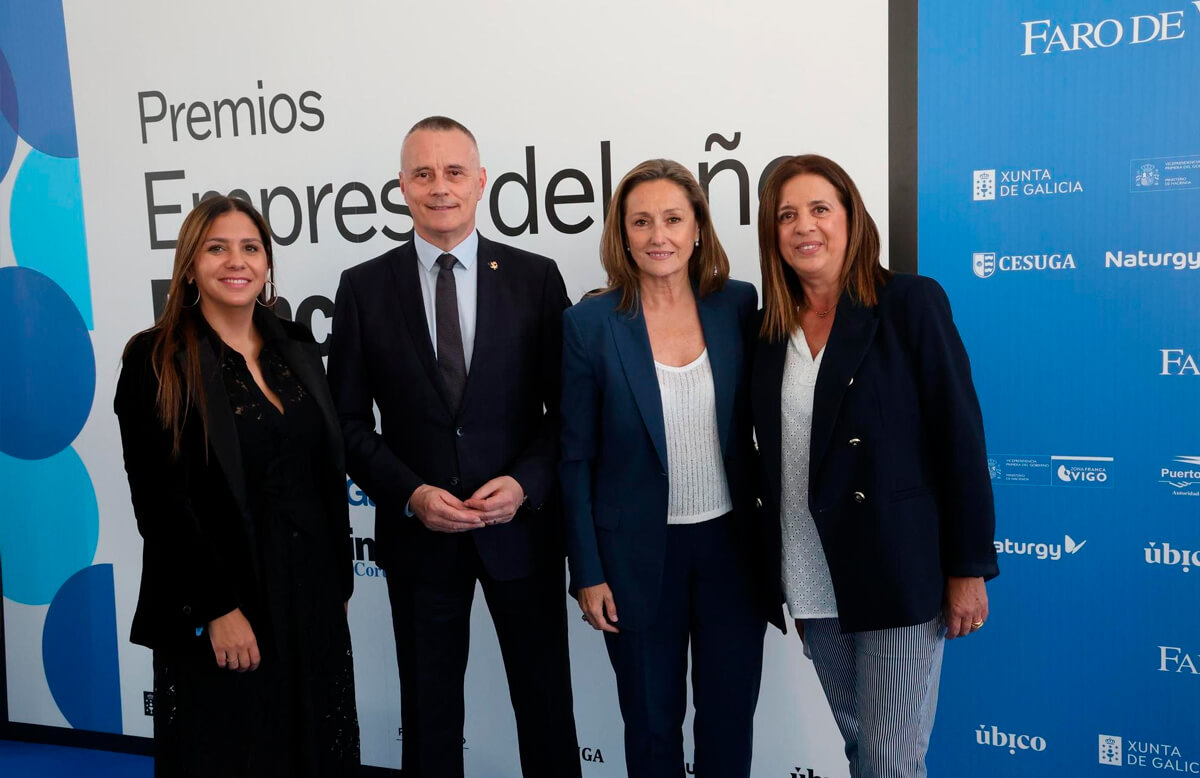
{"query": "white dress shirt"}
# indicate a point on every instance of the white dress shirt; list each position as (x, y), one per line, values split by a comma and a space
(466, 274)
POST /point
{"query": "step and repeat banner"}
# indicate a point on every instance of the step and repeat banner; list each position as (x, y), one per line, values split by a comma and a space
(1059, 182)
(119, 116)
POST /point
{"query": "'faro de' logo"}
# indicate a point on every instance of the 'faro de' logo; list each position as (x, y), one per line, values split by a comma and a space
(992, 736)
(1176, 361)
(1046, 36)
(1173, 659)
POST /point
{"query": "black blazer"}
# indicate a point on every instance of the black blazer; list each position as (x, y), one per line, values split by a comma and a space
(199, 559)
(381, 352)
(898, 481)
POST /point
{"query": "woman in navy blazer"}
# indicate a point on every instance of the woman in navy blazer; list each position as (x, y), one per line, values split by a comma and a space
(878, 501)
(658, 476)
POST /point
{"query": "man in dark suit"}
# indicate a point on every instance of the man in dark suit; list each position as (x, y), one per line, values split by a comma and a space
(458, 340)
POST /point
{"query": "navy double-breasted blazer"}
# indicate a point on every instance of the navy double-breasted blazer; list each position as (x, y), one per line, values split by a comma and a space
(614, 450)
(898, 481)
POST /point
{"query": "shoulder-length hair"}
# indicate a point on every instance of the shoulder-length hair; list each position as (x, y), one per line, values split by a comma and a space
(862, 275)
(177, 327)
(708, 266)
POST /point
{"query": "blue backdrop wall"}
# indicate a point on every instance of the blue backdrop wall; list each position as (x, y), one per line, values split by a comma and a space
(1059, 180)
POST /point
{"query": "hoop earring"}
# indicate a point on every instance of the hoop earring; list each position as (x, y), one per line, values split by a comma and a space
(272, 300)
(192, 304)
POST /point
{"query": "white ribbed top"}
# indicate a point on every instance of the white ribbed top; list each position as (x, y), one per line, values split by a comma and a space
(806, 580)
(695, 468)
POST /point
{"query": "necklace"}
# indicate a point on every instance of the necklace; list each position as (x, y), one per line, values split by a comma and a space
(824, 313)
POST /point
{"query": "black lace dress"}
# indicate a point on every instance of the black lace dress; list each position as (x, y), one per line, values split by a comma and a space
(295, 715)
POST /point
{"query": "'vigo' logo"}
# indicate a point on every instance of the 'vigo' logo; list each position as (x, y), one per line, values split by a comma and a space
(1082, 471)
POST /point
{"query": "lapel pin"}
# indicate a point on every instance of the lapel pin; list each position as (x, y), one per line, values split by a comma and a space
(494, 265)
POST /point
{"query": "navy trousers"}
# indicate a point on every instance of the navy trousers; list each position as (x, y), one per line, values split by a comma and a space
(432, 623)
(707, 602)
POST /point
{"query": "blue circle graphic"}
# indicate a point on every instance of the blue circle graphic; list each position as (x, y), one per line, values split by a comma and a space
(49, 524)
(8, 116)
(47, 368)
(34, 40)
(46, 224)
(79, 651)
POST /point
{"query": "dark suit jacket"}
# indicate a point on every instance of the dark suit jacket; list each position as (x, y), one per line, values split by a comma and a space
(199, 559)
(614, 450)
(381, 352)
(898, 481)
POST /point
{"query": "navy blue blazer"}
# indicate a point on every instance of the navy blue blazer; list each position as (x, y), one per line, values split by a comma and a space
(614, 450)
(381, 353)
(898, 480)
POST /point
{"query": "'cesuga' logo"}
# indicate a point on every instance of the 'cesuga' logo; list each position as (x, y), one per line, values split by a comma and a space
(1165, 555)
(985, 263)
(992, 736)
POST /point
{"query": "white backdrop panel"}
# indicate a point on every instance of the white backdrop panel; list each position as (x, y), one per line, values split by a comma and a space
(589, 86)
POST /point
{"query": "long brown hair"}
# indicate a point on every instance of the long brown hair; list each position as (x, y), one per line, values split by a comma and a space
(708, 266)
(783, 296)
(177, 327)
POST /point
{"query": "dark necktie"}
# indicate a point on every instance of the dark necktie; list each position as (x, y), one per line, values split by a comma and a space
(451, 361)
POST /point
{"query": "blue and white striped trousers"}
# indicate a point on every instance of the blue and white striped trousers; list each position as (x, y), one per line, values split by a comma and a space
(882, 686)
